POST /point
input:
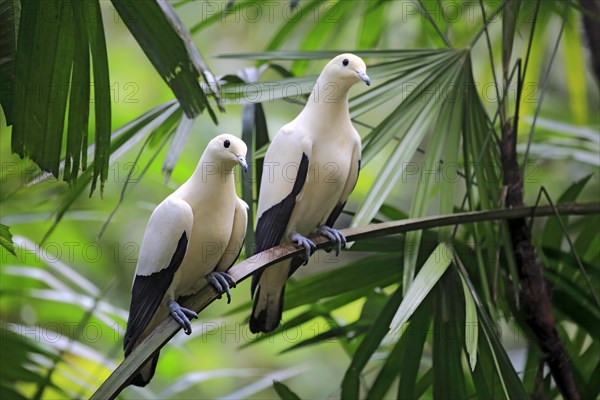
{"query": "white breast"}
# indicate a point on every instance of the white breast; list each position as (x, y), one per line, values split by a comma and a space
(329, 169)
(210, 235)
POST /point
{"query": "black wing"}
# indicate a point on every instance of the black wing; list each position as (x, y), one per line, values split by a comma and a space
(272, 223)
(147, 293)
(335, 214)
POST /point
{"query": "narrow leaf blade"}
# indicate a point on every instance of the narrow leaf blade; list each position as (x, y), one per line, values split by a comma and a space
(284, 392)
(102, 111)
(428, 276)
(168, 45)
(6, 239)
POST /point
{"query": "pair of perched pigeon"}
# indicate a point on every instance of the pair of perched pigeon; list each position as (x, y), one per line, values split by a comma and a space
(195, 235)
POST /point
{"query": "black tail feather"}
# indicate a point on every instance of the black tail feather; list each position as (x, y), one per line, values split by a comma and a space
(138, 379)
(260, 322)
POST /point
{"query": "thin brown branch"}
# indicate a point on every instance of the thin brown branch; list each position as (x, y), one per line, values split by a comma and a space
(534, 298)
(166, 330)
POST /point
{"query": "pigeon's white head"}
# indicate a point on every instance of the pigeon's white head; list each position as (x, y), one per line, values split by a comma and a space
(346, 68)
(229, 149)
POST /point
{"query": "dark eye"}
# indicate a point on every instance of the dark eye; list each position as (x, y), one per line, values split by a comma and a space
(227, 143)
(345, 62)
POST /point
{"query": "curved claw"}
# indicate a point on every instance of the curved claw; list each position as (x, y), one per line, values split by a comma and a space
(182, 315)
(229, 279)
(309, 246)
(222, 282)
(334, 235)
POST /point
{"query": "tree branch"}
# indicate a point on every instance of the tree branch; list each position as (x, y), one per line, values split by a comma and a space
(534, 298)
(168, 328)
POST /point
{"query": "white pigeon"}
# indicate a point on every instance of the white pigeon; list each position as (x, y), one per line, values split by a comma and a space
(191, 239)
(310, 169)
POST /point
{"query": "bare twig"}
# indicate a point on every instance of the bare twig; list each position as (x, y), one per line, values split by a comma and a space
(586, 276)
(427, 15)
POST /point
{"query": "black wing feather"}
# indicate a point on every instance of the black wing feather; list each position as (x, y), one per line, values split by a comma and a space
(335, 214)
(272, 223)
(147, 293)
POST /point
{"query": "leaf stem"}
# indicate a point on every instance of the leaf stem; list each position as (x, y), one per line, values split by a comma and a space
(542, 93)
(491, 55)
(433, 23)
(486, 23)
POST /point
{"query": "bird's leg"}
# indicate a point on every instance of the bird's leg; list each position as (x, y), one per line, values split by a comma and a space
(221, 281)
(182, 315)
(334, 235)
(301, 241)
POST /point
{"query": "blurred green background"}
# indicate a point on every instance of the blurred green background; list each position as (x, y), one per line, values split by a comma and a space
(76, 279)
